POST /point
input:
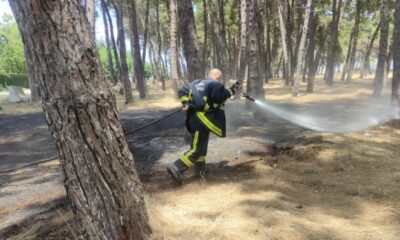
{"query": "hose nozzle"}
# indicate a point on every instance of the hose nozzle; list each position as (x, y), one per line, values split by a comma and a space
(248, 97)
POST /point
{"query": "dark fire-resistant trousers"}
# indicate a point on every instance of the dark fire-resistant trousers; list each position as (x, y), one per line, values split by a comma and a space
(198, 146)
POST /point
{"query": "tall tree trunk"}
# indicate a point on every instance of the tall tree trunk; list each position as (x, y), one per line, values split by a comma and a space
(346, 63)
(267, 41)
(90, 10)
(113, 43)
(205, 23)
(381, 71)
(302, 49)
(108, 45)
(137, 59)
(255, 82)
(354, 44)
(122, 52)
(330, 65)
(173, 43)
(243, 42)
(396, 56)
(188, 33)
(286, 40)
(366, 69)
(100, 178)
(311, 65)
(146, 30)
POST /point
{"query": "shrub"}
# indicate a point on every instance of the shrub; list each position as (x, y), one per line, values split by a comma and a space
(20, 80)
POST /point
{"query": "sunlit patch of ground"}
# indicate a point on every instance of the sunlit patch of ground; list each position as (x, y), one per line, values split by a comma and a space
(308, 185)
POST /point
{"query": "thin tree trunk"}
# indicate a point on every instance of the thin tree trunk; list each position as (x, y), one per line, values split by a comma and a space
(366, 69)
(137, 60)
(346, 63)
(173, 43)
(396, 57)
(330, 66)
(122, 52)
(286, 39)
(205, 23)
(381, 74)
(108, 45)
(355, 42)
(243, 42)
(146, 29)
(255, 82)
(114, 45)
(188, 33)
(267, 42)
(100, 178)
(302, 49)
(311, 49)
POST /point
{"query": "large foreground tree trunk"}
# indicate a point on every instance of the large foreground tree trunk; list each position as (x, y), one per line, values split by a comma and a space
(100, 178)
(188, 33)
(396, 56)
(381, 70)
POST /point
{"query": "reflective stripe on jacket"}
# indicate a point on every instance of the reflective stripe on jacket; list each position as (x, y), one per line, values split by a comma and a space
(206, 99)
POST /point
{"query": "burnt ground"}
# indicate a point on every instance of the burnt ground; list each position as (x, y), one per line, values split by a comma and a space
(268, 179)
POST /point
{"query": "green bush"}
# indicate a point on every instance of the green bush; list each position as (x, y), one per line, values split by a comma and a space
(20, 80)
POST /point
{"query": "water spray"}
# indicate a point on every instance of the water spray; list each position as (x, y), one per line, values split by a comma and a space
(326, 123)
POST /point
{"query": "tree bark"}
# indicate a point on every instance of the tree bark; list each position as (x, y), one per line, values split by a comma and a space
(366, 64)
(302, 49)
(188, 33)
(137, 59)
(33, 82)
(396, 57)
(255, 82)
(100, 178)
(381, 71)
(173, 43)
(122, 52)
(243, 42)
(311, 65)
(108, 45)
(205, 23)
(90, 10)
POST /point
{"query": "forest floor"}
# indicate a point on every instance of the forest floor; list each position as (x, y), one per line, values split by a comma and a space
(268, 179)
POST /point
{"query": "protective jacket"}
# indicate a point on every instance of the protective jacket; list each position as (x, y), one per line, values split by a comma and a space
(206, 99)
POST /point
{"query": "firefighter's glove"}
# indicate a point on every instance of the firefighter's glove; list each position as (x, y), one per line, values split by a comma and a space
(235, 87)
(185, 108)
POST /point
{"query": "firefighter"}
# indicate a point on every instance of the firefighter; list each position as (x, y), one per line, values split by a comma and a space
(203, 101)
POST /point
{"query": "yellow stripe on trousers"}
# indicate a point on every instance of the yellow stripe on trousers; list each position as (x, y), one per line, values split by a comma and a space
(209, 124)
(185, 157)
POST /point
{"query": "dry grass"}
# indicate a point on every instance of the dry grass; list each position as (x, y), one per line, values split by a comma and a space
(323, 186)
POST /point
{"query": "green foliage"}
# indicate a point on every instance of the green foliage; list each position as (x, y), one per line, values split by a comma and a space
(12, 57)
(20, 80)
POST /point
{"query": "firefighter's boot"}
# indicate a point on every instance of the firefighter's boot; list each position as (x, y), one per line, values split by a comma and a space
(175, 170)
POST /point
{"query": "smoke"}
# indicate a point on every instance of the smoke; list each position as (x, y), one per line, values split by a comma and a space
(338, 117)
